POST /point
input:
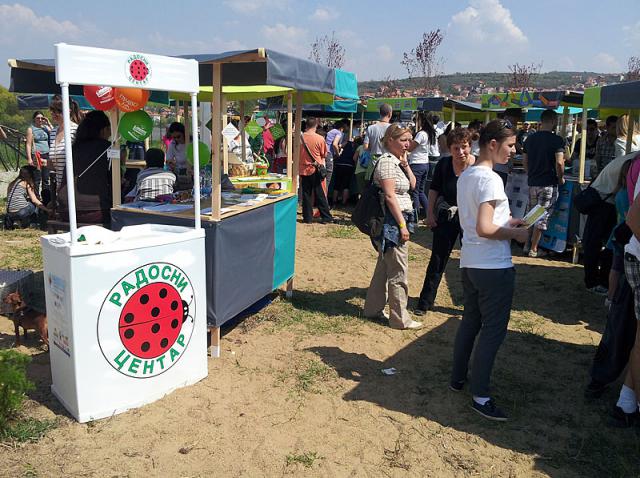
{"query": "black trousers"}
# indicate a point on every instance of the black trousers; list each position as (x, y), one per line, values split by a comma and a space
(444, 238)
(313, 185)
(597, 258)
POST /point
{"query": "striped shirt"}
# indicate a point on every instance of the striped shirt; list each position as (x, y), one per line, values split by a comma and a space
(57, 153)
(388, 167)
(18, 197)
(154, 182)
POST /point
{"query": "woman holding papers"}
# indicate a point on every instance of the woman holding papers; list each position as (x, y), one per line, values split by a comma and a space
(488, 276)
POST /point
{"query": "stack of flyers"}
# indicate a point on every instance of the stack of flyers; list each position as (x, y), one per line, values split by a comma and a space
(534, 215)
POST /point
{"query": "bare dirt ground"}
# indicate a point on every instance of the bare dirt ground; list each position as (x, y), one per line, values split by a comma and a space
(299, 389)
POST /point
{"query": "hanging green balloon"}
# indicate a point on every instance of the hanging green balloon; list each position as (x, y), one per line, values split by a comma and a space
(135, 126)
(204, 154)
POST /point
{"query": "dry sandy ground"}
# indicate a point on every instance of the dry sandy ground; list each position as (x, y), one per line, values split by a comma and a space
(299, 389)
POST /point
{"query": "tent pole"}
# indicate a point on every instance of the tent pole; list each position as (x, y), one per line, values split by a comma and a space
(630, 128)
(243, 139)
(216, 193)
(289, 135)
(453, 115)
(565, 122)
(583, 145)
(71, 191)
(351, 127)
(487, 117)
(115, 163)
(296, 144)
(574, 135)
(362, 122)
(196, 159)
(225, 146)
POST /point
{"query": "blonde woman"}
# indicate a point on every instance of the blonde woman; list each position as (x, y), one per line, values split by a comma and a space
(389, 283)
(622, 128)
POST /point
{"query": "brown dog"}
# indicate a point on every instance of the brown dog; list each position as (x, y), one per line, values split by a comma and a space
(27, 318)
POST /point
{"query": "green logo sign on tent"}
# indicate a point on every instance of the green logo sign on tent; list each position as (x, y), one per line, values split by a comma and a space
(253, 129)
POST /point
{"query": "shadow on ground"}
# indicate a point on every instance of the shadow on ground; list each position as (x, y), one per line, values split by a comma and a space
(537, 381)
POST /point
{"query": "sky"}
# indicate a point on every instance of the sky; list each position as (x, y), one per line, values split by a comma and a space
(479, 35)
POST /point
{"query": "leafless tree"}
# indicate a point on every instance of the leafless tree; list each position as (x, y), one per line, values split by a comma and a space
(521, 77)
(422, 61)
(327, 50)
(633, 67)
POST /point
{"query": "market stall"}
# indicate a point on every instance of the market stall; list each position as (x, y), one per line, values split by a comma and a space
(126, 318)
(250, 237)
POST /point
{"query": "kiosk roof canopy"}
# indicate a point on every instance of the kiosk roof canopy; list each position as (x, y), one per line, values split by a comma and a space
(623, 96)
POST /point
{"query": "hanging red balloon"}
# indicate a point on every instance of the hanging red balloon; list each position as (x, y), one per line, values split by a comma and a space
(131, 99)
(102, 98)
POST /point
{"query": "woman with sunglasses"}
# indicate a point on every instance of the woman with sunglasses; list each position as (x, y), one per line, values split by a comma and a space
(38, 152)
(57, 152)
(488, 275)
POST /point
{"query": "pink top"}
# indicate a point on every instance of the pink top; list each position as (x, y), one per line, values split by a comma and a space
(632, 177)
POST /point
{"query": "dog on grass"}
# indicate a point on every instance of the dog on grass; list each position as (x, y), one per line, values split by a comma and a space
(27, 318)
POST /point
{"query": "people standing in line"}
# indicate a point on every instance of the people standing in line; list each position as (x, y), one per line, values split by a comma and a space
(606, 148)
(543, 162)
(488, 275)
(334, 141)
(389, 283)
(57, 151)
(37, 145)
(626, 411)
(419, 162)
(442, 215)
(91, 170)
(373, 137)
(312, 154)
(600, 223)
(622, 132)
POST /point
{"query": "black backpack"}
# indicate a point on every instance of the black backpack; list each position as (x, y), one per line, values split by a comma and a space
(368, 215)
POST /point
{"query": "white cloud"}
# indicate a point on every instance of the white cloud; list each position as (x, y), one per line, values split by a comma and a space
(483, 36)
(606, 63)
(323, 15)
(632, 34)
(20, 22)
(255, 6)
(288, 39)
(384, 52)
(488, 21)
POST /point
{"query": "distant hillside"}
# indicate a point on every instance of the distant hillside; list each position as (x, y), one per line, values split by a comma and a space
(475, 81)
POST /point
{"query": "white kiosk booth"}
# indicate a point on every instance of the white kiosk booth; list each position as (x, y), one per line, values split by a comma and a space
(127, 310)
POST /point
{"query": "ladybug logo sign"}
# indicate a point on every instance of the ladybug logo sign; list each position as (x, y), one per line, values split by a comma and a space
(138, 69)
(146, 320)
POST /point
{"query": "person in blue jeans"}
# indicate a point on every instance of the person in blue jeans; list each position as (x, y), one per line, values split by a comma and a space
(419, 161)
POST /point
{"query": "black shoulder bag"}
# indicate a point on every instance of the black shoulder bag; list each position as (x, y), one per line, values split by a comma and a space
(368, 215)
(320, 168)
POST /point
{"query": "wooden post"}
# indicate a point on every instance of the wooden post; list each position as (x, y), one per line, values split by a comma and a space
(583, 145)
(225, 145)
(243, 139)
(453, 115)
(565, 122)
(296, 144)
(487, 117)
(216, 100)
(114, 118)
(362, 130)
(215, 341)
(289, 293)
(289, 135)
(631, 125)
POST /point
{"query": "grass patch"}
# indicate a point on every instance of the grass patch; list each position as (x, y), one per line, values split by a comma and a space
(343, 232)
(26, 431)
(283, 314)
(20, 249)
(306, 459)
(527, 323)
(303, 377)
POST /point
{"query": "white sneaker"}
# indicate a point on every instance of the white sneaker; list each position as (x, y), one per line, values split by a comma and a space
(413, 325)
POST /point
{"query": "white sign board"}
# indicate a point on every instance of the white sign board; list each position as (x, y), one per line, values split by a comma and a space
(81, 65)
(230, 132)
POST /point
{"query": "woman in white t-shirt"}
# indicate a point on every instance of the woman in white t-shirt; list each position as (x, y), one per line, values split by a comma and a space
(419, 162)
(488, 276)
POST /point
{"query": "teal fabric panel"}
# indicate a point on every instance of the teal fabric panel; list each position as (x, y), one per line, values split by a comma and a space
(285, 240)
(342, 106)
(346, 85)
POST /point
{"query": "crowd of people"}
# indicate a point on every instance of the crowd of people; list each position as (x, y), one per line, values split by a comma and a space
(444, 176)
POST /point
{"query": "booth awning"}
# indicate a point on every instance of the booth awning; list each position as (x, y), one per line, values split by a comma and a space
(623, 96)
